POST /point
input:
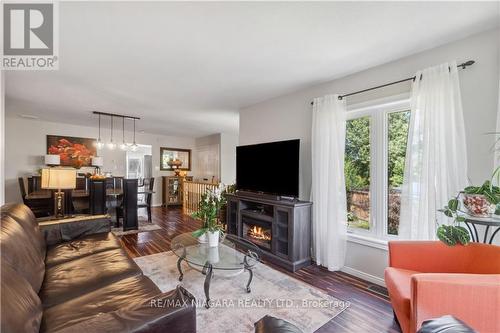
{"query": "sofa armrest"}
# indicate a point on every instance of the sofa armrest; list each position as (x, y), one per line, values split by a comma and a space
(472, 298)
(63, 230)
(173, 311)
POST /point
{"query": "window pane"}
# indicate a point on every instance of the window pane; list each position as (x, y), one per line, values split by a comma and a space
(357, 172)
(396, 152)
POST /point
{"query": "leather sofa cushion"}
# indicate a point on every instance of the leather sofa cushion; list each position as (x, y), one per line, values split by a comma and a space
(144, 317)
(65, 230)
(21, 307)
(445, 324)
(25, 217)
(21, 253)
(81, 247)
(75, 278)
(269, 324)
(398, 282)
(107, 299)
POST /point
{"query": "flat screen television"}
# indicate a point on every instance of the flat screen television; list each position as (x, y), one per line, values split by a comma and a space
(269, 168)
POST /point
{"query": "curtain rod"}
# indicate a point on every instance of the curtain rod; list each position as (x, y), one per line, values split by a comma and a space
(115, 115)
(463, 65)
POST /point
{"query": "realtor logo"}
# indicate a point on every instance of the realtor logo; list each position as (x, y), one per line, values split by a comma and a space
(29, 36)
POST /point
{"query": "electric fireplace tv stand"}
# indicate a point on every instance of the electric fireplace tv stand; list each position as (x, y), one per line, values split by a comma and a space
(281, 228)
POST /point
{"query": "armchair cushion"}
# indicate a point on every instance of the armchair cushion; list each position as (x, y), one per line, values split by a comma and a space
(473, 298)
(428, 279)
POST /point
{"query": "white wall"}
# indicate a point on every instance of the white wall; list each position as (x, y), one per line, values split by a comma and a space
(216, 156)
(25, 144)
(289, 117)
(207, 159)
(228, 143)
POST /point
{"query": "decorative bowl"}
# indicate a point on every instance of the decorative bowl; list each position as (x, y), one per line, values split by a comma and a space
(478, 205)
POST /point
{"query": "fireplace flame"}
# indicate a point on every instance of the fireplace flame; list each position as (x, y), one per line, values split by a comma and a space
(258, 233)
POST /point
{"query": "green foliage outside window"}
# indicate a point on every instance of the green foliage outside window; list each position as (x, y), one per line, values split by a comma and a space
(357, 154)
(357, 165)
(398, 136)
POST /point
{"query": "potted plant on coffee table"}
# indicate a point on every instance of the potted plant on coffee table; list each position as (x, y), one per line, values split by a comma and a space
(208, 212)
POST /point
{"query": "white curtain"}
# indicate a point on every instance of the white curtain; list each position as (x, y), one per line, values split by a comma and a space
(436, 156)
(328, 185)
(497, 136)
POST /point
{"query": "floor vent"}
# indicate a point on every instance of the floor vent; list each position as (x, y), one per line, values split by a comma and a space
(378, 289)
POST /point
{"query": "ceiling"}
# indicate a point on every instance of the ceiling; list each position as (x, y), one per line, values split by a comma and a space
(186, 68)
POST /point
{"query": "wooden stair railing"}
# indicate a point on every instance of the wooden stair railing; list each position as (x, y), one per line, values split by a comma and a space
(193, 191)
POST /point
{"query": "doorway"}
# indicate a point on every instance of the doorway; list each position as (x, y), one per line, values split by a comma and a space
(140, 162)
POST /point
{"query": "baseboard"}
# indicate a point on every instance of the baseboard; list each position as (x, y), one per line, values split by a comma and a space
(363, 275)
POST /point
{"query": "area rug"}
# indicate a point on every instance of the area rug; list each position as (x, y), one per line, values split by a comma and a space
(143, 226)
(232, 308)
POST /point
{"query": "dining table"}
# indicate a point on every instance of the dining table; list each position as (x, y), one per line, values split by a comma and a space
(113, 196)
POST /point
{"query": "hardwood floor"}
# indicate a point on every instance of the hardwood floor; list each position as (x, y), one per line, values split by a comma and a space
(369, 310)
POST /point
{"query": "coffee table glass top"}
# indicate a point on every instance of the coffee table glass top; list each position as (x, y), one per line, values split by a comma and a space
(229, 255)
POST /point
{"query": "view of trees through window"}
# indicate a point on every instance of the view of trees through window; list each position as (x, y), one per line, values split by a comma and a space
(357, 172)
(396, 152)
(358, 164)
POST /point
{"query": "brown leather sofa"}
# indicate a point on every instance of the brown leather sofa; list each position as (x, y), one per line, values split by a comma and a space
(83, 281)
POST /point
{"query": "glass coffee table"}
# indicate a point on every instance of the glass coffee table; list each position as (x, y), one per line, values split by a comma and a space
(234, 254)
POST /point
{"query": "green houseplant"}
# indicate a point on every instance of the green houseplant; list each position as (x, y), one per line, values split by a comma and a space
(490, 191)
(455, 233)
(208, 212)
(481, 200)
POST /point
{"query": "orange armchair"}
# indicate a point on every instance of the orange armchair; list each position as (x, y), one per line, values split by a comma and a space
(428, 279)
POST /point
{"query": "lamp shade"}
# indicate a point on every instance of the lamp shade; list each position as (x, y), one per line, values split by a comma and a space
(58, 178)
(52, 160)
(97, 161)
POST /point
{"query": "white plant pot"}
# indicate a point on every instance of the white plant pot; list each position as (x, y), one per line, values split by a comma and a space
(213, 238)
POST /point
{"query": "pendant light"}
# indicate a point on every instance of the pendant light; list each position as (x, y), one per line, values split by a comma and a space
(123, 146)
(111, 144)
(134, 145)
(99, 143)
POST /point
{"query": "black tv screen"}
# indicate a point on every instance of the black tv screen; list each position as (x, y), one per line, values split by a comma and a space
(269, 167)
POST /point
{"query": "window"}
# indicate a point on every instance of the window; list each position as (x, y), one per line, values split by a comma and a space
(397, 136)
(375, 151)
(357, 172)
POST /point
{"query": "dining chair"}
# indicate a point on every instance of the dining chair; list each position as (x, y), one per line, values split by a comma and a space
(148, 184)
(97, 196)
(40, 207)
(128, 207)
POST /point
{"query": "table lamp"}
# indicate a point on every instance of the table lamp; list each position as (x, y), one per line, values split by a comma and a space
(52, 160)
(58, 179)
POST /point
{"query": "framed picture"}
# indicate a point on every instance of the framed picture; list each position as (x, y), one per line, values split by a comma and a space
(175, 158)
(73, 151)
